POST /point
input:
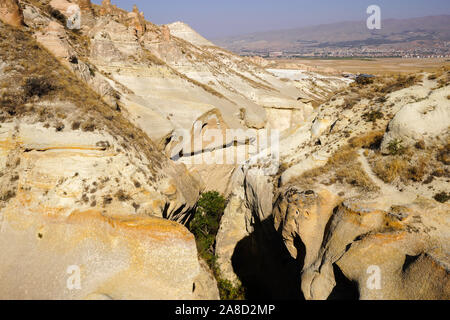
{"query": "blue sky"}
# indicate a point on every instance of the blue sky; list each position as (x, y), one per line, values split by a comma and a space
(213, 18)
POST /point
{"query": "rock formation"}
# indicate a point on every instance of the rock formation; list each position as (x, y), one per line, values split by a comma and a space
(104, 147)
(165, 33)
(185, 32)
(137, 21)
(53, 38)
(353, 231)
(106, 8)
(11, 13)
(85, 5)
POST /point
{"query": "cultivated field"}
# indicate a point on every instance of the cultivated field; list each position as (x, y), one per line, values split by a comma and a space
(372, 66)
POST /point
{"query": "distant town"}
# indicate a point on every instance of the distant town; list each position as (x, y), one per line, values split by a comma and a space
(442, 51)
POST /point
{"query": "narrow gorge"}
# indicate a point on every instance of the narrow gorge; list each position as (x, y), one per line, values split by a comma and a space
(112, 132)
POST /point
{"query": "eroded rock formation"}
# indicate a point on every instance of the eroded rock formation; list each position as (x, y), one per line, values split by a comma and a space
(11, 13)
(100, 168)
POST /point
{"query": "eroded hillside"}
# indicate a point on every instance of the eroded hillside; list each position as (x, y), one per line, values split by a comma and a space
(362, 189)
(100, 168)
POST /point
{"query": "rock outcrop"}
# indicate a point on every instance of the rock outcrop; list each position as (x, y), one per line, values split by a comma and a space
(11, 13)
(53, 38)
(86, 255)
(425, 120)
(388, 254)
(83, 191)
(137, 21)
(104, 155)
(359, 237)
(185, 32)
(165, 33)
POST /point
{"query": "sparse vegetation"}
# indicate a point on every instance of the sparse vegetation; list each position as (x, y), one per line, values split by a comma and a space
(37, 86)
(444, 154)
(420, 145)
(388, 171)
(205, 226)
(122, 196)
(26, 59)
(344, 167)
(442, 197)
(363, 80)
(395, 147)
(205, 223)
(373, 116)
(408, 164)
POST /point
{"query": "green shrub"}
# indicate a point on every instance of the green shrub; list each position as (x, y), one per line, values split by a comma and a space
(373, 116)
(229, 292)
(395, 147)
(206, 222)
(204, 226)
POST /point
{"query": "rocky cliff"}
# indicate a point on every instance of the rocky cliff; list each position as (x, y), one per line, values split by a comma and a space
(359, 202)
(99, 170)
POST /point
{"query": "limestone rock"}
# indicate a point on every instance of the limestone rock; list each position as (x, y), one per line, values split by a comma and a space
(53, 38)
(11, 13)
(61, 5)
(137, 21)
(424, 120)
(205, 285)
(359, 238)
(87, 255)
(85, 5)
(183, 31)
(165, 33)
(234, 227)
(304, 214)
(259, 61)
(106, 8)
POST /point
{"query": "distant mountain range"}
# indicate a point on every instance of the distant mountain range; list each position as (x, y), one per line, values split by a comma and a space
(431, 31)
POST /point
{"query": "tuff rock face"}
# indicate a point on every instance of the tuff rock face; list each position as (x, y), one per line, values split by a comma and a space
(102, 163)
(76, 193)
(354, 226)
(403, 244)
(10, 13)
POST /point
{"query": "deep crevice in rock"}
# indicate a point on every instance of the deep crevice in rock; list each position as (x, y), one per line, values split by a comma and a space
(265, 267)
(345, 289)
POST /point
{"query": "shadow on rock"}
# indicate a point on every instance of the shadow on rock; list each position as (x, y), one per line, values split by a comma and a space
(265, 267)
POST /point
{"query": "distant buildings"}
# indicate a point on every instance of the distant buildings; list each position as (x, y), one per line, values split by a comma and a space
(276, 54)
(437, 50)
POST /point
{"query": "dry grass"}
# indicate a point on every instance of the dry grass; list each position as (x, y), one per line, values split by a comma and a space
(370, 140)
(26, 59)
(417, 164)
(389, 170)
(344, 167)
(443, 154)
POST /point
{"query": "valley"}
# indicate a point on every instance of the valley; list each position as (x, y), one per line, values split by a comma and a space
(162, 166)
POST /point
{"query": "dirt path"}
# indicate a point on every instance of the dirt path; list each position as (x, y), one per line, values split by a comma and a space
(390, 194)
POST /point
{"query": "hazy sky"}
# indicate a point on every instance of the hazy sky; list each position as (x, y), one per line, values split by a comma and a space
(217, 18)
